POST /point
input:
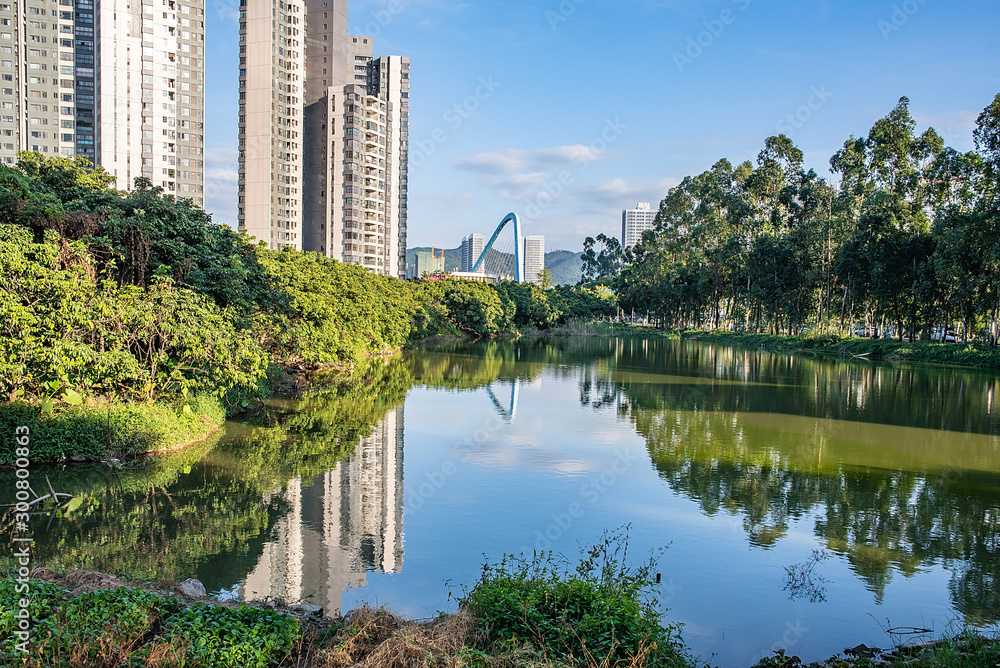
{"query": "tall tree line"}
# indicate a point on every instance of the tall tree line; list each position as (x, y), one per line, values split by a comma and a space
(906, 240)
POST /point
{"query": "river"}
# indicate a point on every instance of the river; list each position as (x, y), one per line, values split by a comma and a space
(808, 503)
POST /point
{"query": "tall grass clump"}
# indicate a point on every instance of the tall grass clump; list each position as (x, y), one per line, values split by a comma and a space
(602, 612)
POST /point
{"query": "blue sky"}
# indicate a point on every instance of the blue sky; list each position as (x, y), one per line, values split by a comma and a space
(567, 111)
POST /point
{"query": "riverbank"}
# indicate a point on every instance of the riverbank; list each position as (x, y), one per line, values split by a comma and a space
(107, 431)
(578, 327)
(97, 620)
(970, 354)
(536, 611)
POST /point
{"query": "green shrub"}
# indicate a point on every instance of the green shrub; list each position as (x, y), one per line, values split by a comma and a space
(121, 616)
(602, 611)
(111, 430)
(241, 637)
(44, 599)
(473, 307)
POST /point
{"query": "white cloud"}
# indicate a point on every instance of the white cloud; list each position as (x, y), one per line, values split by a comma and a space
(612, 193)
(519, 174)
(221, 184)
(508, 160)
(495, 162)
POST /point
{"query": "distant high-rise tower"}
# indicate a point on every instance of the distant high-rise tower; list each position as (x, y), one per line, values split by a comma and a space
(635, 222)
(534, 257)
(323, 142)
(272, 83)
(472, 248)
(121, 83)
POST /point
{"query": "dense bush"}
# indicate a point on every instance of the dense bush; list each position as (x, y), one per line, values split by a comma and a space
(63, 329)
(334, 312)
(472, 307)
(109, 430)
(125, 626)
(242, 637)
(601, 613)
(114, 296)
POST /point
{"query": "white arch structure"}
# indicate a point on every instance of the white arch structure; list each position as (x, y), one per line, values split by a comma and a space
(518, 254)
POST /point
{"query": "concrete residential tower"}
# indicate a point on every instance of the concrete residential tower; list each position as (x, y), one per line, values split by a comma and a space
(472, 248)
(534, 257)
(272, 84)
(635, 222)
(337, 181)
(120, 83)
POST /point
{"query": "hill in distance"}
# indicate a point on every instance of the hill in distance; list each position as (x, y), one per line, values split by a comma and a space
(563, 266)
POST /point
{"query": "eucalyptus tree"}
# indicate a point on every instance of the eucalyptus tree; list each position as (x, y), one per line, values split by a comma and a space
(606, 264)
(987, 140)
(908, 237)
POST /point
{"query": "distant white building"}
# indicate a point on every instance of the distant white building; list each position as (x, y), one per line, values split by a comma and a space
(635, 222)
(472, 248)
(534, 257)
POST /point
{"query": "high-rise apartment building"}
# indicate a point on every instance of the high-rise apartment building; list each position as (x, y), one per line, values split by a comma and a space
(635, 222)
(323, 136)
(534, 257)
(472, 248)
(120, 83)
(272, 87)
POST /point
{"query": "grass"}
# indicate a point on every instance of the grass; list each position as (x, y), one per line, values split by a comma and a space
(971, 354)
(603, 612)
(111, 628)
(109, 430)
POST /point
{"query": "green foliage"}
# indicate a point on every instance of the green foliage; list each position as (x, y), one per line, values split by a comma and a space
(100, 339)
(905, 243)
(531, 304)
(602, 612)
(64, 626)
(124, 614)
(472, 307)
(606, 264)
(335, 312)
(116, 430)
(456, 305)
(242, 637)
(94, 627)
(43, 599)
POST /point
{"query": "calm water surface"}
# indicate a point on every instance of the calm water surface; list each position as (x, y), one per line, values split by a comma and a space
(882, 482)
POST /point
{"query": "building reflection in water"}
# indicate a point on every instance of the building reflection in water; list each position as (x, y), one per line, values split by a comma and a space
(347, 522)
